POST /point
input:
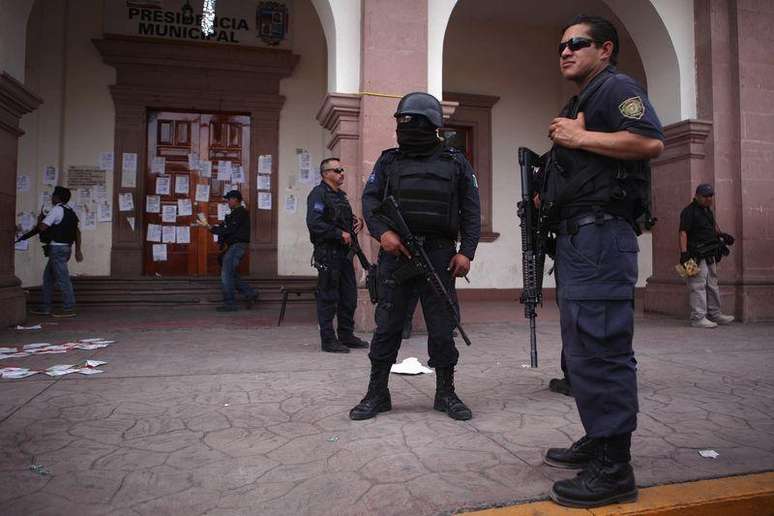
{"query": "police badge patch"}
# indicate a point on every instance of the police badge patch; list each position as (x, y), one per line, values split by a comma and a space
(475, 182)
(318, 207)
(632, 108)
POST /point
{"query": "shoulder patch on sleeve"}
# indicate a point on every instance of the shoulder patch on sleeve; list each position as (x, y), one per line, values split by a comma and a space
(632, 108)
(475, 181)
(319, 207)
(372, 177)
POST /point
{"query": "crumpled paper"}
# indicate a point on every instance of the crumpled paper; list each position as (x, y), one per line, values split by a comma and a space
(410, 366)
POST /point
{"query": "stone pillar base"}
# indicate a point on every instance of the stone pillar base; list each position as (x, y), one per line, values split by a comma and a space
(13, 301)
(668, 297)
(755, 300)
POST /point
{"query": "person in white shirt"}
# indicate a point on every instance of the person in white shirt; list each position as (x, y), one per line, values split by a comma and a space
(58, 232)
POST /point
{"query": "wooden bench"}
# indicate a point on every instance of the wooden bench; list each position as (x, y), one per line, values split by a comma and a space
(298, 291)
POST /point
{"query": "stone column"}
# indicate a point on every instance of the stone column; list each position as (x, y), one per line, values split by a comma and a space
(675, 175)
(734, 78)
(15, 101)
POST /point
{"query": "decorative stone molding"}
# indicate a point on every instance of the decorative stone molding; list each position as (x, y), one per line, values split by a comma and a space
(681, 166)
(340, 114)
(15, 101)
(153, 74)
(475, 112)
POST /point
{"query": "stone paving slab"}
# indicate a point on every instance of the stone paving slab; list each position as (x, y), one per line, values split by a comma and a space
(198, 419)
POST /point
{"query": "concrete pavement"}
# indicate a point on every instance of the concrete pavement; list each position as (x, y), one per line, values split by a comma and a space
(191, 417)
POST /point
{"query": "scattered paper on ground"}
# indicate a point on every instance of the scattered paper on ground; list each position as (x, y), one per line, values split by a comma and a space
(410, 366)
(86, 367)
(709, 454)
(33, 327)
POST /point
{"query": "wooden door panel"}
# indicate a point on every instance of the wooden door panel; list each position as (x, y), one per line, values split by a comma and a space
(174, 136)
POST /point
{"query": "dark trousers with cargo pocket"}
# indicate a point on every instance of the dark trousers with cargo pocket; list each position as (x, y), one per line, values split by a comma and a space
(598, 270)
(336, 292)
(395, 300)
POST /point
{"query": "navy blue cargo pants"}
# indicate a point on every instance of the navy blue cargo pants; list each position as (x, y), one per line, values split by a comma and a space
(393, 309)
(336, 291)
(597, 267)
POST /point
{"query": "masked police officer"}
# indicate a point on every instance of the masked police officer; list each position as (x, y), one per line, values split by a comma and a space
(332, 228)
(437, 191)
(594, 171)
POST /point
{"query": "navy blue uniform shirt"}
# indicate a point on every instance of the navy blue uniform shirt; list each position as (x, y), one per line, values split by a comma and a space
(320, 219)
(469, 203)
(620, 104)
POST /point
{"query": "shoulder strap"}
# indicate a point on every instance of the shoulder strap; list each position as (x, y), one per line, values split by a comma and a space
(588, 91)
(388, 156)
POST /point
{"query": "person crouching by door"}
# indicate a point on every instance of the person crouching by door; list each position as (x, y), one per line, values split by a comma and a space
(234, 239)
(332, 229)
(58, 232)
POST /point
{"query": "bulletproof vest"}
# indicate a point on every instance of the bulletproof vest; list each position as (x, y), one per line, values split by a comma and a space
(64, 232)
(337, 210)
(426, 190)
(577, 180)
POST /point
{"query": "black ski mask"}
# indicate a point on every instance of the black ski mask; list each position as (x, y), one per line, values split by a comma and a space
(417, 136)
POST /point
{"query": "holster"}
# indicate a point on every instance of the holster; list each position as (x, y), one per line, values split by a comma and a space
(46, 250)
(372, 283)
(410, 270)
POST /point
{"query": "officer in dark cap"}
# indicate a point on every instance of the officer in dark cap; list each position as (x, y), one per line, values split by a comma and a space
(58, 231)
(596, 188)
(702, 241)
(234, 239)
(437, 191)
(332, 229)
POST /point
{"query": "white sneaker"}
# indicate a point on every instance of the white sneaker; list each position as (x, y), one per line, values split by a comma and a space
(703, 323)
(722, 319)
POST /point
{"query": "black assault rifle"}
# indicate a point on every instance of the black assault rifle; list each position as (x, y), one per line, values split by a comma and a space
(419, 262)
(371, 269)
(534, 236)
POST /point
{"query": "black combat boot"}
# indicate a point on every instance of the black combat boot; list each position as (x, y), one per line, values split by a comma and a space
(377, 399)
(576, 456)
(607, 479)
(352, 341)
(560, 385)
(331, 345)
(446, 399)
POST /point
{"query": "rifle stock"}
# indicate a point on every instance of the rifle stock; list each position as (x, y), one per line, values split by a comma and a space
(371, 269)
(390, 212)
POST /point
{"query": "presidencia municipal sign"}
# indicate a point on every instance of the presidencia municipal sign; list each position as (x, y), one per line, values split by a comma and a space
(237, 22)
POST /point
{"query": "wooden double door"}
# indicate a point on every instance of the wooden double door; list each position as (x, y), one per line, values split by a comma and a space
(187, 142)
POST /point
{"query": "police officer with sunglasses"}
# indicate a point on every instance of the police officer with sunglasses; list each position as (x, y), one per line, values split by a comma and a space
(332, 228)
(595, 186)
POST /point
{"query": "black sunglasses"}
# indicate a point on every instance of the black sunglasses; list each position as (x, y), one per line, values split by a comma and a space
(575, 44)
(337, 170)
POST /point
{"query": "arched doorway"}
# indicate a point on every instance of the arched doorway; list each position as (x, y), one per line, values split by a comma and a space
(506, 51)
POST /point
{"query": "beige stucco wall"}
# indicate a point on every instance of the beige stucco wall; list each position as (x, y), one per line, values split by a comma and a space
(520, 66)
(299, 128)
(76, 123)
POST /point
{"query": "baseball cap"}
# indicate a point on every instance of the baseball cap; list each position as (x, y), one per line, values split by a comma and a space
(705, 190)
(234, 194)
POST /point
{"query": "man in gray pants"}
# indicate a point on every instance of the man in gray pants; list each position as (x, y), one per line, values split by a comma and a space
(701, 239)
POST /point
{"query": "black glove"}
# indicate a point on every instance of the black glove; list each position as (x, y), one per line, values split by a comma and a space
(726, 238)
(684, 257)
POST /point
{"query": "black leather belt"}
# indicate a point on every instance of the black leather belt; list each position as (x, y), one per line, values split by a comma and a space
(571, 226)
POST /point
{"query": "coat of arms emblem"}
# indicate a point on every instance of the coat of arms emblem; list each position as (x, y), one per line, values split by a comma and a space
(272, 22)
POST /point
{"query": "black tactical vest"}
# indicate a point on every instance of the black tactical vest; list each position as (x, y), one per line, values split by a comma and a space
(337, 209)
(64, 232)
(426, 190)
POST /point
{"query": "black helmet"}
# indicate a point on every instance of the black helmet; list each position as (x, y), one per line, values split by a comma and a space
(421, 103)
